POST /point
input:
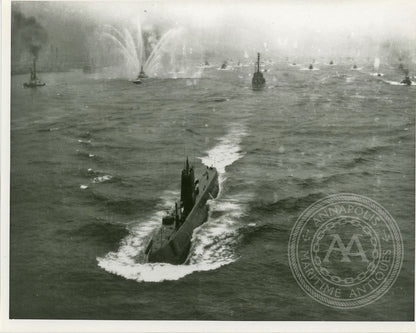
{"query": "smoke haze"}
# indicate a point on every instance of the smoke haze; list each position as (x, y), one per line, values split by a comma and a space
(297, 29)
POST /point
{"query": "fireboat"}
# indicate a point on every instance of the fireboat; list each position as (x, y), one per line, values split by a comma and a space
(142, 75)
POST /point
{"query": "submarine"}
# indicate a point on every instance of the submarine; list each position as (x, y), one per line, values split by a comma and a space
(258, 82)
(171, 242)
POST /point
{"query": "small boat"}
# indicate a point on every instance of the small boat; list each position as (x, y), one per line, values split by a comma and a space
(258, 82)
(354, 67)
(137, 81)
(406, 81)
(34, 80)
(142, 74)
(310, 66)
(224, 65)
(331, 62)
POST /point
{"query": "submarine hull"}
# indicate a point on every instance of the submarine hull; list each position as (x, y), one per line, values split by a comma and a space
(176, 249)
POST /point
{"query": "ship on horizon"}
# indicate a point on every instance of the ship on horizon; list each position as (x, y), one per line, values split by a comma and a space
(34, 80)
(258, 82)
(171, 242)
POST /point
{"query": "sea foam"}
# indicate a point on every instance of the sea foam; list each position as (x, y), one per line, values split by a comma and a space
(212, 243)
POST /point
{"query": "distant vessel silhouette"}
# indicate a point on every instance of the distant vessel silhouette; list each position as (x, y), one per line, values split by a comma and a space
(310, 66)
(331, 62)
(224, 65)
(258, 82)
(89, 67)
(142, 74)
(34, 80)
(406, 81)
(172, 241)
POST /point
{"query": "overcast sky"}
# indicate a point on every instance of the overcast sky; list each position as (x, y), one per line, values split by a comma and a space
(297, 28)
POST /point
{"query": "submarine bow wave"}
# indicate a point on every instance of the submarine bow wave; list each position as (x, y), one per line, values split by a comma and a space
(212, 242)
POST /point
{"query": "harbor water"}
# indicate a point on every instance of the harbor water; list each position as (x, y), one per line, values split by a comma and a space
(96, 162)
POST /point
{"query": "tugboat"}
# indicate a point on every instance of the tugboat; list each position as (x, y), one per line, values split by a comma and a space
(34, 80)
(258, 82)
(171, 242)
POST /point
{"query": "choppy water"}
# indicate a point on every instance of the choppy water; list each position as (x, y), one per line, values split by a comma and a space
(95, 163)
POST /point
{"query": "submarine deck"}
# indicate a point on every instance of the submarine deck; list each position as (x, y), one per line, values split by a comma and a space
(166, 232)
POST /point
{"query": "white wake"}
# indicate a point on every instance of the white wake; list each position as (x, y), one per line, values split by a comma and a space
(212, 243)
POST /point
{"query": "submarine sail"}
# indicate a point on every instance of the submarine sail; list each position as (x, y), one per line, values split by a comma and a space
(172, 240)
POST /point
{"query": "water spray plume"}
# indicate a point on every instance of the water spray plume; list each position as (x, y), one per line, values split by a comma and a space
(168, 56)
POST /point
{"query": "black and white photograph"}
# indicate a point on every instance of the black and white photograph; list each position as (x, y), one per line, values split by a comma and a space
(208, 163)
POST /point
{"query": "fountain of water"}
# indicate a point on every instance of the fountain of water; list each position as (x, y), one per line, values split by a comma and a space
(173, 55)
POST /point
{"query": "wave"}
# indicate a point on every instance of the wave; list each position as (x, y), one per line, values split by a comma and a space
(396, 83)
(101, 179)
(104, 232)
(84, 154)
(227, 151)
(85, 142)
(216, 100)
(212, 243)
(308, 69)
(288, 204)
